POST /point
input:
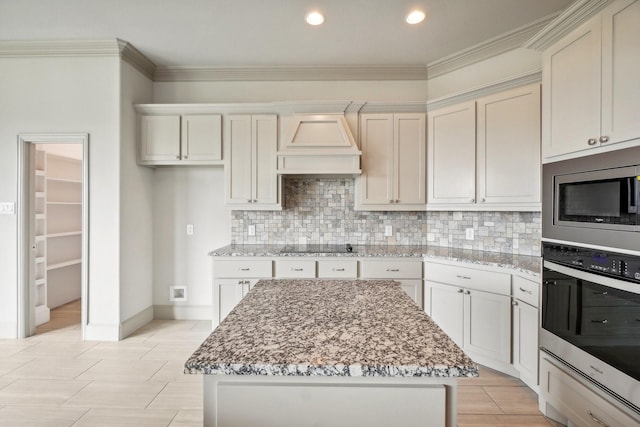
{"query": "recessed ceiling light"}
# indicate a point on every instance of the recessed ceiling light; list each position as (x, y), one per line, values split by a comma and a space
(415, 17)
(314, 18)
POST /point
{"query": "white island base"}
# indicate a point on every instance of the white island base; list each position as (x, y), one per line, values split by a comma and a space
(335, 401)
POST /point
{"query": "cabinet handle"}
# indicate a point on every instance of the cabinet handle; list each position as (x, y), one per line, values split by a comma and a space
(397, 201)
(463, 277)
(600, 293)
(603, 321)
(514, 302)
(393, 269)
(596, 369)
(467, 292)
(185, 157)
(592, 141)
(482, 200)
(473, 200)
(460, 291)
(297, 269)
(525, 291)
(604, 138)
(594, 418)
(338, 269)
(391, 201)
(245, 269)
(178, 157)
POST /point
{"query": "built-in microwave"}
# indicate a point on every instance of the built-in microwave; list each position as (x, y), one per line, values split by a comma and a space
(593, 200)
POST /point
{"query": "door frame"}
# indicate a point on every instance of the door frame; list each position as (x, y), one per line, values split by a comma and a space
(26, 318)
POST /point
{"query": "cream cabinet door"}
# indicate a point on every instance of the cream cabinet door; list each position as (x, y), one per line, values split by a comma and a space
(159, 138)
(508, 147)
(621, 71)
(409, 159)
(228, 293)
(447, 309)
(487, 325)
(525, 342)
(413, 288)
(201, 138)
(452, 155)
(376, 182)
(252, 181)
(571, 76)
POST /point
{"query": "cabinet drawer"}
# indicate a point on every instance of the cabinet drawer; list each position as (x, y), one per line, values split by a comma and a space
(343, 269)
(526, 290)
(471, 278)
(578, 402)
(243, 268)
(391, 269)
(293, 269)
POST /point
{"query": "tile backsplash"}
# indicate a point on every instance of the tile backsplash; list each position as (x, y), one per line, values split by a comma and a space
(320, 210)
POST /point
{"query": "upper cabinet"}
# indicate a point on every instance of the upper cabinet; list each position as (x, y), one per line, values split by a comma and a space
(180, 139)
(251, 179)
(485, 154)
(591, 85)
(393, 163)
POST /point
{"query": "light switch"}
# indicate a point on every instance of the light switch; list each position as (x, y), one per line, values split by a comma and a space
(469, 233)
(252, 230)
(7, 208)
(189, 229)
(388, 231)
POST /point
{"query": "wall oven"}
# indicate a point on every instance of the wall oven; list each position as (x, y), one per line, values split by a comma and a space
(591, 316)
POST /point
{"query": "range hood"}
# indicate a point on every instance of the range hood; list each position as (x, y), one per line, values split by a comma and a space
(318, 144)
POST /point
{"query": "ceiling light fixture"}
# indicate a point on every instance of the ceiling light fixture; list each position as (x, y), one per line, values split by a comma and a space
(314, 18)
(415, 17)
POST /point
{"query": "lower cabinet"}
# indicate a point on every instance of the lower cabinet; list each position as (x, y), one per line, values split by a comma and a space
(477, 321)
(571, 400)
(407, 272)
(229, 293)
(525, 342)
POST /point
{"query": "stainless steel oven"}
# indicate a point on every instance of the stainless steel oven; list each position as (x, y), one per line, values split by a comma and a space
(594, 200)
(591, 316)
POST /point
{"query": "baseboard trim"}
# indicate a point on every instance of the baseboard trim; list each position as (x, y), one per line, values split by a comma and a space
(183, 312)
(135, 322)
(95, 332)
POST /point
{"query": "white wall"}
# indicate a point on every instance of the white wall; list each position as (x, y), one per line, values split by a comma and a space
(64, 95)
(136, 207)
(181, 196)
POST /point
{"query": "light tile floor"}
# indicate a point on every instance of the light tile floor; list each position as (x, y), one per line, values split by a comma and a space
(55, 379)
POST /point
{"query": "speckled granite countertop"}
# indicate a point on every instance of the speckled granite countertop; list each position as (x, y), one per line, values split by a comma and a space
(329, 328)
(521, 263)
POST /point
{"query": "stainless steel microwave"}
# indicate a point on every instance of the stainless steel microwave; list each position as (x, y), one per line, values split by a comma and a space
(594, 200)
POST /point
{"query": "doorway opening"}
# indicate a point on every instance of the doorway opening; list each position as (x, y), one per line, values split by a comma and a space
(54, 226)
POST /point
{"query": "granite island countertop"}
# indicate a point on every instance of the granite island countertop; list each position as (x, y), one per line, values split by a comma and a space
(531, 265)
(329, 328)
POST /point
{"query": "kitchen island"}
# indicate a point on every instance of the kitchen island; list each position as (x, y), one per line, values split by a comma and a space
(329, 353)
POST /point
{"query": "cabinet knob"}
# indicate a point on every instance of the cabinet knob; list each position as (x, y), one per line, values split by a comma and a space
(178, 157)
(514, 302)
(391, 201)
(460, 291)
(482, 200)
(604, 138)
(185, 157)
(473, 200)
(397, 201)
(592, 141)
(467, 292)
(249, 201)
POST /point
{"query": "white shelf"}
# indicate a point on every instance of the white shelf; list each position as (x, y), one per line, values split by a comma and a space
(40, 216)
(41, 238)
(39, 172)
(41, 282)
(74, 181)
(40, 259)
(64, 264)
(40, 194)
(64, 203)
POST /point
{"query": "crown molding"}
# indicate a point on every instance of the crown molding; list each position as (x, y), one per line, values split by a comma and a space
(576, 14)
(291, 73)
(488, 49)
(78, 48)
(532, 76)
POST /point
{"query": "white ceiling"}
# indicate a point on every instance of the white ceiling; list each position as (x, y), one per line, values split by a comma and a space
(273, 32)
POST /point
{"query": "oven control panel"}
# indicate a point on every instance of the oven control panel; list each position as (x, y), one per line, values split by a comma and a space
(621, 266)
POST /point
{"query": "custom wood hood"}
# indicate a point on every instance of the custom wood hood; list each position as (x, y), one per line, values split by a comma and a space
(318, 144)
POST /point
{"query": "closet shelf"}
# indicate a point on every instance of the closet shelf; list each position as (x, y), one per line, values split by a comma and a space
(64, 264)
(64, 234)
(64, 203)
(75, 181)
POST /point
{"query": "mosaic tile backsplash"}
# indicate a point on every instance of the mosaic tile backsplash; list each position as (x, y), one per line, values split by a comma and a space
(320, 211)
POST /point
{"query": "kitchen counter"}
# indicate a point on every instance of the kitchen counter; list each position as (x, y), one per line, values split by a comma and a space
(327, 352)
(530, 265)
(329, 328)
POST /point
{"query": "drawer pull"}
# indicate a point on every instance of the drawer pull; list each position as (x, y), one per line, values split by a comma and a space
(460, 291)
(600, 293)
(338, 269)
(467, 292)
(297, 269)
(245, 269)
(393, 269)
(596, 369)
(603, 321)
(526, 291)
(463, 277)
(594, 418)
(514, 302)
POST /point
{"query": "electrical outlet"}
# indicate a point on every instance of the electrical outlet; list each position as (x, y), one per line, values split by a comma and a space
(7, 208)
(252, 230)
(177, 293)
(468, 233)
(189, 229)
(388, 231)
